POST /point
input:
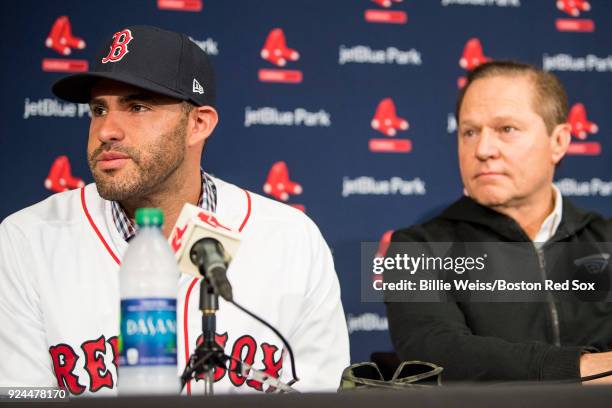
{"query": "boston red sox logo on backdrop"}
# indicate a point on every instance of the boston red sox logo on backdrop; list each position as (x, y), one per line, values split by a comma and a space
(581, 127)
(276, 51)
(118, 48)
(60, 176)
(472, 57)
(387, 122)
(61, 40)
(574, 8)
(280, 186)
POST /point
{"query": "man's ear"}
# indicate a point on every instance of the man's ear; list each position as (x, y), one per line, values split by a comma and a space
(560, 141)
(202, 121)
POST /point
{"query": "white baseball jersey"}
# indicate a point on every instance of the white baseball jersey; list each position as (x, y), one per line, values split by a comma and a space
(59, 296)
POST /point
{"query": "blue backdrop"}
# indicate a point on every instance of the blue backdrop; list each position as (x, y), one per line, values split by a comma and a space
(356, 72)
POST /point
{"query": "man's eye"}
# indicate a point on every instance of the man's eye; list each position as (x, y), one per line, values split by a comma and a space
(508, 129)
(468, 133)
(139, 108)
(97, 110)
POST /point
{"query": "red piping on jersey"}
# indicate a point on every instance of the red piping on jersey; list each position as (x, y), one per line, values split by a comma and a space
(186, 327)
(192, 284)
(95, 228)
(248, 214)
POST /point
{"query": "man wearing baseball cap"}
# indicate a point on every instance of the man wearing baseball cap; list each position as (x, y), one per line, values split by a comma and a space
(152, 98)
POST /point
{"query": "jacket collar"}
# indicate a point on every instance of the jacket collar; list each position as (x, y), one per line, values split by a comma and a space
(574, 219)
(467, 210)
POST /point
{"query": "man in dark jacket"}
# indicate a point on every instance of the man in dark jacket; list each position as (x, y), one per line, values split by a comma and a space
(512, 132)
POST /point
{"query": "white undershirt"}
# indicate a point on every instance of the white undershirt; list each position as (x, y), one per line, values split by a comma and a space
(551, 223)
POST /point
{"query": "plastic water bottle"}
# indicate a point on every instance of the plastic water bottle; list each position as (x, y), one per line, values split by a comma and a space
(148, 281)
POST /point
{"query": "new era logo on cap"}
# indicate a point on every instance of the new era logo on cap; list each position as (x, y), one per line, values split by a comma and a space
(132, 56)
(197, 88)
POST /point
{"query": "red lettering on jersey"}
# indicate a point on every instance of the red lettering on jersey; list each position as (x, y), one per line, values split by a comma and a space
(243, 342)
(99, 376)
(219, 372)
(114, 342)
(118, 48)
(64, 360)
(271, 367)
(212, 221)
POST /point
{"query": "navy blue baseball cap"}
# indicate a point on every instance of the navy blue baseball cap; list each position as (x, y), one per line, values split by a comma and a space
(150, 58)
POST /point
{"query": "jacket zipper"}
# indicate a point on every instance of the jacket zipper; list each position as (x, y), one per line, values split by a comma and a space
(552, 307)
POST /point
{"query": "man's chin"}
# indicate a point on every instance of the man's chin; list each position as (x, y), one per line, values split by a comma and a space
(490, 198)
(493, 203)
(114, 194)
(114, 188)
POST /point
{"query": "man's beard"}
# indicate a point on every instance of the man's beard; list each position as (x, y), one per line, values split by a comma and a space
(154, 166)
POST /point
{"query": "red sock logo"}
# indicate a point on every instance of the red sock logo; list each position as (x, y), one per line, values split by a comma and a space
(60, 176)
(577, 119)
(275, 49)
(473, 55)
(573, 7)
(278, 184)
(60, 37)
(385, 119)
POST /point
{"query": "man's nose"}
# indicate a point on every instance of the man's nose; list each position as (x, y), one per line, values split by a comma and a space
(487, 147)
(109, 129)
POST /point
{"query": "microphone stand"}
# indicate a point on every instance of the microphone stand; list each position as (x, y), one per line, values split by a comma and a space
(209, 304)
(207, 354)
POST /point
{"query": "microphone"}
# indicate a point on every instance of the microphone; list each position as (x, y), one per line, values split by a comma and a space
(201, 243)
(208, 254)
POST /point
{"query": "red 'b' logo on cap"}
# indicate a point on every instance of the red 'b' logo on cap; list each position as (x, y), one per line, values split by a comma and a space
(118, 48)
